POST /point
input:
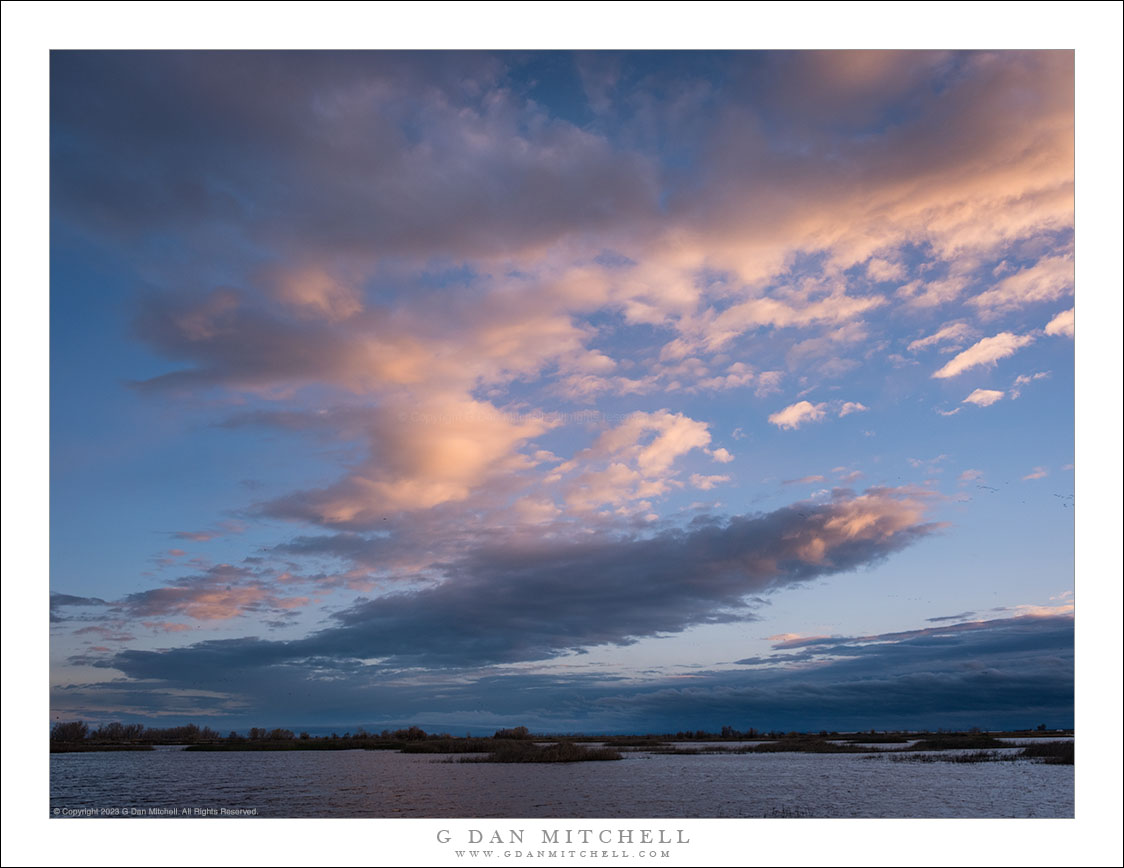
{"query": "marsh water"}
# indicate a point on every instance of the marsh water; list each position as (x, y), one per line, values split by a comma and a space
(172, 782)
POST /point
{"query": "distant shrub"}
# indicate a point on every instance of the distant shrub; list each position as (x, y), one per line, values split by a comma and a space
(518, 732)
(957, 741)
(1051, 752)
(74, 730)
(526, 752)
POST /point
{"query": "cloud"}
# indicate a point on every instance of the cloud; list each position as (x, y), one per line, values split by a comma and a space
(241, 340)
(811, 646)
(1025, 380)
(705, 483)
(768, 383)
(418, 456)
(633, 460)
(795, 415)
(166, 626)
(316, 292)
(392, 163)
(983, 397)
(104, 633)
(383, 153)
(1062, 324)
(850, 407)
(1037, 473)
(539, 600)
(195, 535)
(987, 351)
(802, 412)
(997, 674)
(881, 271)
(220, 593)
(1046, 280)
(721, 455)
(803, 480)
(60, 601)
(970, 475)
(737, 375)
(797, 310)
(954, 332)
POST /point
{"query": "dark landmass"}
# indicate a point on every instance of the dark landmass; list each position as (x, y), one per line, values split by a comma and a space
(529, 752)
(519, 745)
(1053, 753)
(958, 741)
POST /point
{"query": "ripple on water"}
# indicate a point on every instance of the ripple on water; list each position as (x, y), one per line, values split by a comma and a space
(387, 784)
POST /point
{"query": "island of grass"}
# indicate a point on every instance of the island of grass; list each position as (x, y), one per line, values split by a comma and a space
(519, 745)
(529, 752)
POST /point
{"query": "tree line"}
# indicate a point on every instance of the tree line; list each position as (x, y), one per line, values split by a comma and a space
(77, 731)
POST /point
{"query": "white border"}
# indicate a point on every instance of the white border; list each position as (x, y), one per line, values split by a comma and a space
(31, 29)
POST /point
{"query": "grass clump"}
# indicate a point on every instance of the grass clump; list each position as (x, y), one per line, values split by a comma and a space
(978, 756)
(958, 741)
(1051, 752)
(451, 745)
(802, 744)
(528, 752)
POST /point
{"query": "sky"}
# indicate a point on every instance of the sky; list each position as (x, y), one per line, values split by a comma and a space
(588, 391)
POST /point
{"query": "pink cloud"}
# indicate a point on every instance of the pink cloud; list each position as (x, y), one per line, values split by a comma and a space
(795, 415)
(984, 352)
(1062, 324)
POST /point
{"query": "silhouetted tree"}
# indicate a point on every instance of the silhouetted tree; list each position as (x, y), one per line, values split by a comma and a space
(75, 730)
(515, 732)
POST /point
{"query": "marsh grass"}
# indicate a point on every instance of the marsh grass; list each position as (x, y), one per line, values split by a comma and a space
(300, 744)
(1051, 752)
(528, 752)
(958, 741)
(978, 756)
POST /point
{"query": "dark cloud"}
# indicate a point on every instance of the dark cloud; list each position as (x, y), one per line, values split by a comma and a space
(943, 618)
(989, 673)
(1012, 672)
(522, 602)
(59, 601)
(355, 153)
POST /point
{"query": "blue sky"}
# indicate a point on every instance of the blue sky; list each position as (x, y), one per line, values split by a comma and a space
(567, 389)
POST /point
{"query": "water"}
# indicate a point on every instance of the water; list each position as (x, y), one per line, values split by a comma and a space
(387, 784)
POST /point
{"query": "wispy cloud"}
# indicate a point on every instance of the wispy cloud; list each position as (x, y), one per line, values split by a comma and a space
(1062, 324)
(795, 415)
(983, 397)
(954, 333)
(984, 352)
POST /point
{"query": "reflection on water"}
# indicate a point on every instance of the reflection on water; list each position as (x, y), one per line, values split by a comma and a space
(386, 784)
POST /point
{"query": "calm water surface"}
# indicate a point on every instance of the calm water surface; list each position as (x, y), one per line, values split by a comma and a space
(386, 784)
